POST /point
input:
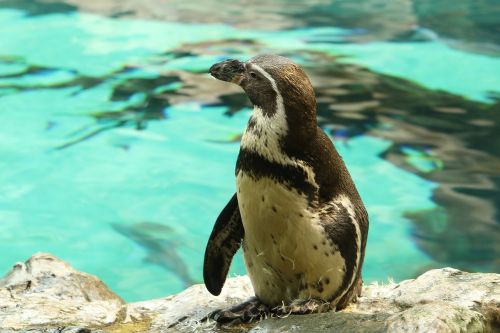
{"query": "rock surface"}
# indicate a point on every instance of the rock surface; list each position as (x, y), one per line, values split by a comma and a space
(45, 294)
(46, 291)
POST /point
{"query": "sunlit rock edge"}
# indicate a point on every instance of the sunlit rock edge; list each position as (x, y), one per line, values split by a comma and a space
(46, 294)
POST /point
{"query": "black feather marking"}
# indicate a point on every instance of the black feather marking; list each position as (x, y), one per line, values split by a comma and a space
(342, 233)
(224, 241)
(292, 176)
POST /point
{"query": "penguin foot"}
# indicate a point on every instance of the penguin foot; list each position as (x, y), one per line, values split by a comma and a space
(312, 305)
(251, 310)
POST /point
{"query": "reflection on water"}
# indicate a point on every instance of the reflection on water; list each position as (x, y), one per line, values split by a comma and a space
(114, 120)
(161, 245)
(442, 138)
(470, 25)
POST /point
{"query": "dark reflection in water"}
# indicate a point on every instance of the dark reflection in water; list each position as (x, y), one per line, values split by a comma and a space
(459, 135)
(160, 243)
(148, 100)
(471, 25)
(38, 7)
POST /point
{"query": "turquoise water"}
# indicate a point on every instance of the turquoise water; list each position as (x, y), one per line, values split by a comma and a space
(118, 151)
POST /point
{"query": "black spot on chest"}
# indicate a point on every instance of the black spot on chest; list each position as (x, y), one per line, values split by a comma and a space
(253, 128)
(251, 124)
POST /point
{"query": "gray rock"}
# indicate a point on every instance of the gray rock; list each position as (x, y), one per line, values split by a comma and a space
(47, 292)
(47, 295)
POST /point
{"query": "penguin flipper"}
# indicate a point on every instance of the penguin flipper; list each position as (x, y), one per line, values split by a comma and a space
(223, 243)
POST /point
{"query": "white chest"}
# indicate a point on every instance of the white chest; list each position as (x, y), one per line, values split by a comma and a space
(287, 254)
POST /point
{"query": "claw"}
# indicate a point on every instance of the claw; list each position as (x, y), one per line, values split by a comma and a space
(246, 312)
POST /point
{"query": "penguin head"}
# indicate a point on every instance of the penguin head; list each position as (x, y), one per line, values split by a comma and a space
(272, 82)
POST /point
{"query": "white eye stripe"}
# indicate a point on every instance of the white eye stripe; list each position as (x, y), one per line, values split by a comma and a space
(279, 98)
(269, 77)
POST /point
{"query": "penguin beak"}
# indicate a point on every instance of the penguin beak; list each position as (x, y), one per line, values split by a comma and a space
(228, 70)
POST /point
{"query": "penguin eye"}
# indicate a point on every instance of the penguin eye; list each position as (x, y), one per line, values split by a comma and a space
(253, 74)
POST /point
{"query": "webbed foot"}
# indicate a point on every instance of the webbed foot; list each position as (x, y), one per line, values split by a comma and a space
(251, 310)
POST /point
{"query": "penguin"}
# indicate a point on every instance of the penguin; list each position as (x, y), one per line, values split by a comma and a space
(296, 212)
